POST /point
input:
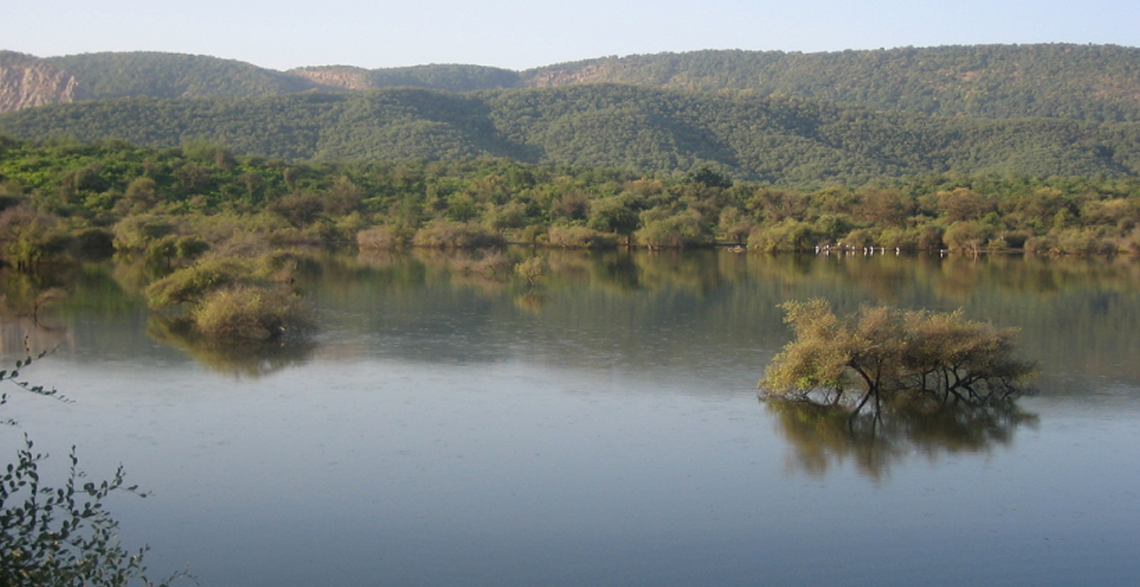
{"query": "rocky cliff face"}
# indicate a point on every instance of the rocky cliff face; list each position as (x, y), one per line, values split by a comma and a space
(335, 77)
(552, 76)
(26, 81)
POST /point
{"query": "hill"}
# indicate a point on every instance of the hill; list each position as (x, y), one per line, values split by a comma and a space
(174, 75)
(769, 139)
(1081, 82)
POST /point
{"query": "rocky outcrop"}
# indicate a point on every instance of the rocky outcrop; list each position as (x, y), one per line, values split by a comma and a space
(26, 81)
(549, 77)
(335, 77)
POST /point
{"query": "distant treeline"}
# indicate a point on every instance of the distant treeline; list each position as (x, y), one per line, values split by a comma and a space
(175, 204)
(782, 141)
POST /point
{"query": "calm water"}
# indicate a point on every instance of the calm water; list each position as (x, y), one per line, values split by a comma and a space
(455, 429)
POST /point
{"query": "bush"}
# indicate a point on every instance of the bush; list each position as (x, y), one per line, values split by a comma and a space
(578, 237)
(789, 235)
(36, 243)
(967, 236)
(229, 299)
(532, 269)
(442, 234)
(488, 263)
(300, 210)
(138, 232)
(191, 284)
(60, 535)
(899, 238)
(249, 312)
(29, 237)
(381, 238)
(672, 232)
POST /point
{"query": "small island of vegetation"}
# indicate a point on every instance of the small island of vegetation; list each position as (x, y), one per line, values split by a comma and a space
(884, 358)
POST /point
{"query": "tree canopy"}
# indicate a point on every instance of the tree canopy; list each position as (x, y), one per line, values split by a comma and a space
(778, 140)
(884, 357)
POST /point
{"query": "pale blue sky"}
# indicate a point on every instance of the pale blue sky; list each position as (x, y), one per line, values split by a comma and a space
(519, 34)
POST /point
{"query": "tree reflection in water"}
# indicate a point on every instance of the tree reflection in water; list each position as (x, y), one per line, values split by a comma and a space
(245, 359)
(825, 436)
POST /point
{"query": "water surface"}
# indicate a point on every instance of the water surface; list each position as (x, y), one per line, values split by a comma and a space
(446, 428)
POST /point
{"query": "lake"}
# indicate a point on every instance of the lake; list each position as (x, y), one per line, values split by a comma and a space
(453, 428)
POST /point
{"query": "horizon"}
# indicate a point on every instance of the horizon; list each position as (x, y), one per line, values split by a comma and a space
(598, 57)
(567, 62)
(516, 35)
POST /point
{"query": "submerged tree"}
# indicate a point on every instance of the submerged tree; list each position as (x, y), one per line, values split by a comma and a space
(885, 357)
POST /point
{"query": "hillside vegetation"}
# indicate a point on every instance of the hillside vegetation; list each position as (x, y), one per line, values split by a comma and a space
(173, 75)
(1081, 82)
(172, 206)
(787, 141)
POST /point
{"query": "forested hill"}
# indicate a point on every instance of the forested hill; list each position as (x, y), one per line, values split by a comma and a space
(1083, 82)
(781, 140)
(174, 75)
(1080, 82)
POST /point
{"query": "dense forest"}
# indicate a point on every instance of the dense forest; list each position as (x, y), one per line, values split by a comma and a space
(173, 75)
(1081, 82)
(784, 141)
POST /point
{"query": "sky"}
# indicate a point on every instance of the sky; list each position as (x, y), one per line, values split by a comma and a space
(521, 34)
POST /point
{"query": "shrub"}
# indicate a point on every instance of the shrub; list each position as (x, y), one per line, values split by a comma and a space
(32, 244)
(788, 235)
(443, 234)
(488, 263)
(532, 269)
(381, 238)
(229, 299)
(191, 284)
(672, 232)
(966, 236)
(60, 535)
(249, 312)
(860, 238)
(578, 237)
(29, 237)
(298, 209)
(138, 232)
(899, 238)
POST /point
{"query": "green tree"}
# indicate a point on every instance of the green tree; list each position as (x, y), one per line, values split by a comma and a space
(890, 357)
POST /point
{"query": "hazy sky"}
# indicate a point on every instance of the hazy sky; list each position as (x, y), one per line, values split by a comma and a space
(519, 34)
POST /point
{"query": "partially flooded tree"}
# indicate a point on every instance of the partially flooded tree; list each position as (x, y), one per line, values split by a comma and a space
(882, 358)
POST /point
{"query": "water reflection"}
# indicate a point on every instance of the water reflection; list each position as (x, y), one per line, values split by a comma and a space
(246, 359)
(823, 437)
(691, 309)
